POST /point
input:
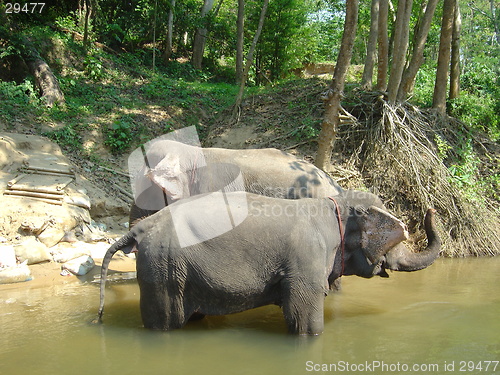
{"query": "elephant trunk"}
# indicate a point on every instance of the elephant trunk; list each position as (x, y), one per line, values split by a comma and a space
(400, 258)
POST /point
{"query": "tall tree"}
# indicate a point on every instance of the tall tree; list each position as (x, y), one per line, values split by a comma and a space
(240, 39)
(401, 36)
(441, 83)
(383, 45)
(417, 57)
(332, 98)
(88, 12)
(201, 35)
(371, 52)
(455, 54)
(249, 58)
(170, 30)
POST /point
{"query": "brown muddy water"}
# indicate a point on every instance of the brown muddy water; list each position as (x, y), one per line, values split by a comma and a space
(445, 319)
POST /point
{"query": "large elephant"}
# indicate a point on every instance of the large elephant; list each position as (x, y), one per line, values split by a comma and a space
(172, 171)
(283, 252)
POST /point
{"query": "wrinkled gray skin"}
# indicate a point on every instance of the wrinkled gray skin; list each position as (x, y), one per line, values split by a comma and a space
(176, 171)
(286, 252)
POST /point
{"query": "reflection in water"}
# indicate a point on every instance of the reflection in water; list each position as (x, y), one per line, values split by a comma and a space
(442, 315)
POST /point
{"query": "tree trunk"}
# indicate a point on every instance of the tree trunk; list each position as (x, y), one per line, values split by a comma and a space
(383, 46)
(170, 30)
(371, 53)
(88, 11)
(333, 97)
(408, 80)
(494, 20)
(439, 97)
(455, 54)
(249, 59)
(240, 23)
(401, 36)
(45, 81)
(201, 35)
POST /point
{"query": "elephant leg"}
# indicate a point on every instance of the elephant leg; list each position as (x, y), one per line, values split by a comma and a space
(303, 310)
(196, 316)
(159, 310)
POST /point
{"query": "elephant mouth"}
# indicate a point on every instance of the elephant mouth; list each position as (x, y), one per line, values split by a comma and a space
(380, 269)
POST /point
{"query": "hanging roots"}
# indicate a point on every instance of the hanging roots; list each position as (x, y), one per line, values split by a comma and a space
(396, 149)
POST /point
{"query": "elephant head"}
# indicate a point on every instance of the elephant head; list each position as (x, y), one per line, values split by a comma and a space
(374, 239)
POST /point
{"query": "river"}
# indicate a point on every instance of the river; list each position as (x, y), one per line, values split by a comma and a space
(444, 319)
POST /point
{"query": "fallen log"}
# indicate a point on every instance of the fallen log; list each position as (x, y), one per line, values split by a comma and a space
(45, 81)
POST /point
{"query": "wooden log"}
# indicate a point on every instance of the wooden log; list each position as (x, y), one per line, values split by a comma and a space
(34, 194)
(45, 81)
(51, 201)
(131, 196)
(15, 180)
(114, 171)
(36, 189)
(69, 172)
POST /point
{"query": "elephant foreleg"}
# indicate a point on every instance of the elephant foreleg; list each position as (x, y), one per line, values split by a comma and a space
(303, 310)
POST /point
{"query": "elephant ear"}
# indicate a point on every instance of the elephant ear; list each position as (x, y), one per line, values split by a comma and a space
(168, 175)
(380, 232)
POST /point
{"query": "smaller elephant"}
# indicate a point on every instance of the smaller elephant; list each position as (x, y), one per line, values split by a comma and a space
(172, 171)
(280, 251)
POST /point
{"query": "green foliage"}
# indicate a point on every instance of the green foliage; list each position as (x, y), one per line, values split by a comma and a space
(119, 137)
(308, 129)
(443, 146)
(66, 137)
(327, 31)
(23, 92)
(283, 42)
(464, 171)
(18, 100)
(94, 68)
(424, 86)
(479, 102)
(69, 22)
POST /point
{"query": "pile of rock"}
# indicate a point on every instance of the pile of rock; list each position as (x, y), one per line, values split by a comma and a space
(76, 258)
(45, 210)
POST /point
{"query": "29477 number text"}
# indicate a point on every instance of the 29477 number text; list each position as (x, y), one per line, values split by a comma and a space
(24, 8)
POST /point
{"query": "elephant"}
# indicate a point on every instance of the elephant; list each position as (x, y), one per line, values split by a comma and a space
(278, 251)
(173, 170)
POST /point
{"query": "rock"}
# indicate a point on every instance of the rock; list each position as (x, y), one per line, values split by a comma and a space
(7, 256)
(79, 266)
(15, 274)
(51, 236)
(65, 252)
(98, 249)
(33, 251)
(69, 237)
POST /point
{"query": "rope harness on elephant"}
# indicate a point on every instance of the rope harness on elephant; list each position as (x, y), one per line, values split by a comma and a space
(341, 230)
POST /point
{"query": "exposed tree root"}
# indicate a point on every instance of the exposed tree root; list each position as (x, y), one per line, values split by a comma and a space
(395, 148)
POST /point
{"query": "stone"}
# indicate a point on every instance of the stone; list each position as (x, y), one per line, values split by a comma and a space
(7, 256)
(33, 251)
(79, 266)
(16, 274)
(64, 252)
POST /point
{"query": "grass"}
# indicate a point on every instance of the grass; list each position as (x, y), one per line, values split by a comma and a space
(120, 98)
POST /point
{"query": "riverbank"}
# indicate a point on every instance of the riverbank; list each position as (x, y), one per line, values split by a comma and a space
(48, 274)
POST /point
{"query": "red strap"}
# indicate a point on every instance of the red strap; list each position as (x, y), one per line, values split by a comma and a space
(341, 230)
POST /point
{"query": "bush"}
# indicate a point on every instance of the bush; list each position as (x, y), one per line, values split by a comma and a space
(479, 101)
(119, 137)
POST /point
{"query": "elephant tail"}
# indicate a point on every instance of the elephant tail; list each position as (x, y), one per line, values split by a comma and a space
(126, 243)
